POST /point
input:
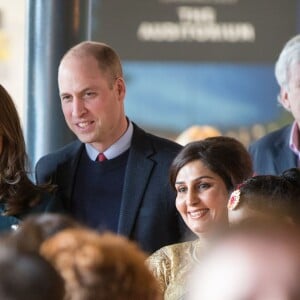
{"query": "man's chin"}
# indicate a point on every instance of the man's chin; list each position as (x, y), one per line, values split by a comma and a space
(85, 139)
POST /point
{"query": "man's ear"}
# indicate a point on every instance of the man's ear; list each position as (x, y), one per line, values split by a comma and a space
(121, 87)
(284, 98)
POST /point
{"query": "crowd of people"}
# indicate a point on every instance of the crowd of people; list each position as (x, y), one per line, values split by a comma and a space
(123, 214)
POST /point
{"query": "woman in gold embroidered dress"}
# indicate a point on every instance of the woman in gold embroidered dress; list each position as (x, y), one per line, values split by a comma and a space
(203, 174)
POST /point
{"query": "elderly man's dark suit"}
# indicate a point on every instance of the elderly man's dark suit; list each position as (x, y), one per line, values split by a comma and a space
(271, 154)
(148, 213)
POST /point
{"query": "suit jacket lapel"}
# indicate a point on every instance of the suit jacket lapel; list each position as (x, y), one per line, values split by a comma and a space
(66, 173)
(137, 176)
(284, 158)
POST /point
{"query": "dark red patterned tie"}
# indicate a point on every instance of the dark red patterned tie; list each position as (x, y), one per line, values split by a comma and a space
(101, 157)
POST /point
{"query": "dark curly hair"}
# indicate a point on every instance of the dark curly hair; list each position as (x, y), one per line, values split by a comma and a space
(272, 194)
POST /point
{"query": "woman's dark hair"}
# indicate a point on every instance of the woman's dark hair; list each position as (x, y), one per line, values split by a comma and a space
(16, 189)
(224, 156)
(277, 195)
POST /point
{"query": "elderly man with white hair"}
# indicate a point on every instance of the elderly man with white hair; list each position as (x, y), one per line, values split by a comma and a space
(280, 150)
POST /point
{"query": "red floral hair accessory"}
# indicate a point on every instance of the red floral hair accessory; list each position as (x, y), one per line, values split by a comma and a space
(234, 199)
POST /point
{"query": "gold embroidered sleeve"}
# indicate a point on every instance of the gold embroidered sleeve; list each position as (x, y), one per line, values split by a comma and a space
(160, 266)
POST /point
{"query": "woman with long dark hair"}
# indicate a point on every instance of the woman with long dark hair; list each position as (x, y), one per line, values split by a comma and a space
(19, 196)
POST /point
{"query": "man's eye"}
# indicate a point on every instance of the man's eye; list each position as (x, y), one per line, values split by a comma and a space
(66, 98)
(89, 94)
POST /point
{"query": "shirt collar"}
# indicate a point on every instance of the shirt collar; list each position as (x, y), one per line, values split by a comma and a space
(116, 149)
(294, 139)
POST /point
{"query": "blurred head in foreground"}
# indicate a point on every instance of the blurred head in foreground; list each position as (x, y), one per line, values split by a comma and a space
(27, 276)
(36, 228)
(259, 262)
(100, 267)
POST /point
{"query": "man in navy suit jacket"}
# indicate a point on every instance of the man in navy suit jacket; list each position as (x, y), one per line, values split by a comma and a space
(129, 192)
(280, 150)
